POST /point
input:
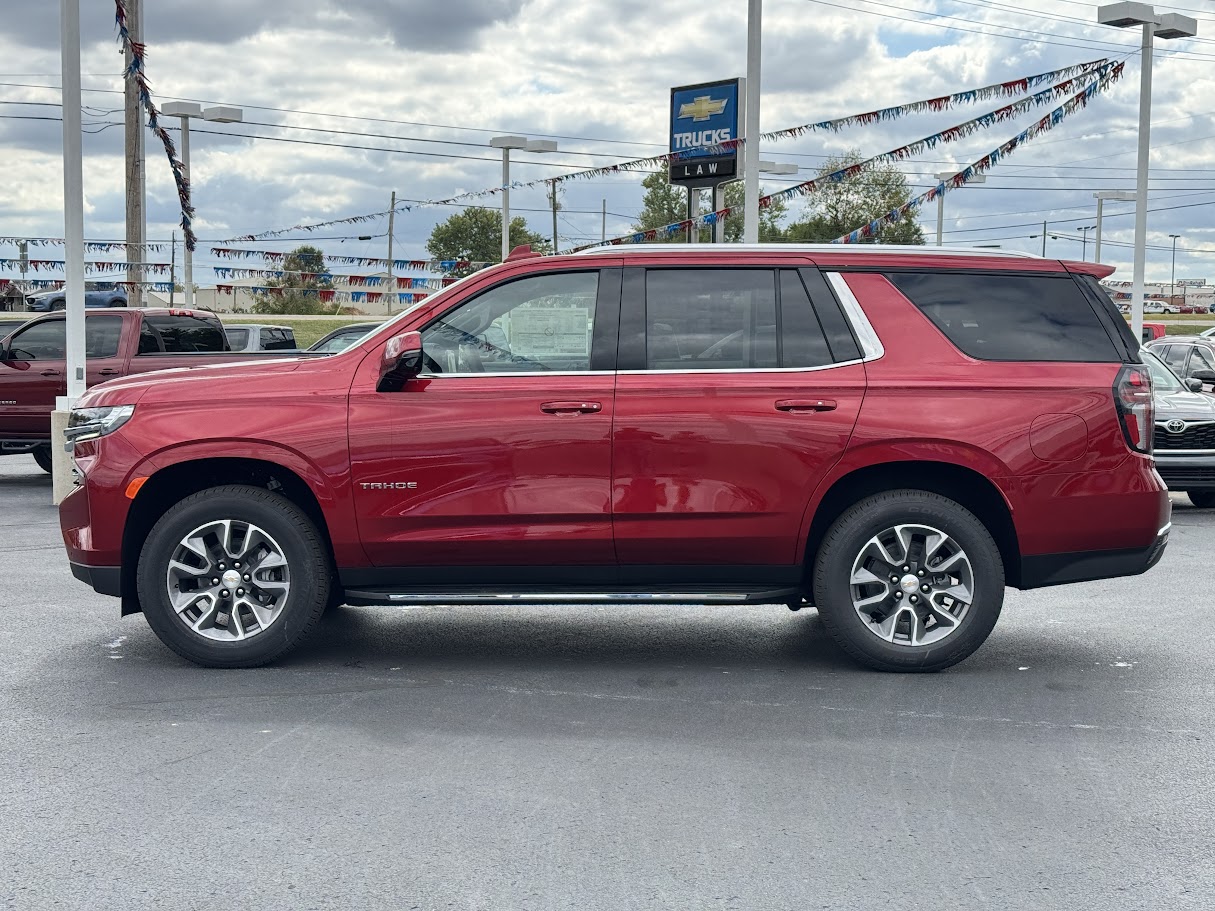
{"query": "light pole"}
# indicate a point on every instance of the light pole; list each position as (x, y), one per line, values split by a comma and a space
(1163, 25)
(751, 125)
(187, 110)
(1173, 270)
(947, 175)
(506, 143)
(1101, 196)
(1084, 240)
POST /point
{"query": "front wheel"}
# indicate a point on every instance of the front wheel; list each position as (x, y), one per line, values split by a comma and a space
(1203, 499)
(42, 455)
(908, 580)
(234, 576)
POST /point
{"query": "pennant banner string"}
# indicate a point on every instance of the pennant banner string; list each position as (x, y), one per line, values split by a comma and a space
(328, 294)
(1109, 74)
(136, 73)
(434, 265)
(945, 102)
(1012, 87)
(92, 246)
(39, 265)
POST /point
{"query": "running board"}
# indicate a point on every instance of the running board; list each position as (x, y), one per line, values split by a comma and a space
(700, 595)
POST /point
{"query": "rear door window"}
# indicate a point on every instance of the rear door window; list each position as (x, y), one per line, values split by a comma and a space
(188, 333)
(101, 336)
(238, 338)
(710, 319)
(1001, 317)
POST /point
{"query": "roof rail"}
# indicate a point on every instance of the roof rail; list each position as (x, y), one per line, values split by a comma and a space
(896, 249)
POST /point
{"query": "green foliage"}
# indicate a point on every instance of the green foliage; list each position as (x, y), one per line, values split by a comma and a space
(299, 294)
(839, 208)
(476, 235)
(665, 203)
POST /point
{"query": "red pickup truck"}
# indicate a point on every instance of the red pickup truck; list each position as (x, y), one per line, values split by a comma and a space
(117, 343)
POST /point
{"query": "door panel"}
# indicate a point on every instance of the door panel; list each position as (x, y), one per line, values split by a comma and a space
(716, 451)
(499, 455)
(708, 470)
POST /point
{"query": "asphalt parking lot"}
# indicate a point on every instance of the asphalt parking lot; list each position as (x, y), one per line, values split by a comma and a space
(617, 758)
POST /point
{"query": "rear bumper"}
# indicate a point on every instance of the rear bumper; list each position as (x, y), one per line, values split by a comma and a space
(105, 580)
(1060, 569)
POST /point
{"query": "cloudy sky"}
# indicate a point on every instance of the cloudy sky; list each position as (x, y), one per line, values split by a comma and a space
(346, 102)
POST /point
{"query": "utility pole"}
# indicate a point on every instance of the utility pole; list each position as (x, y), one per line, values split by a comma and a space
(603, 223)
(135, 180)
(392, 281)
(552, 189)
(172, 268)
(1043, 238)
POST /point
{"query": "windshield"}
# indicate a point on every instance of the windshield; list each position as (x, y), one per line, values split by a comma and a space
(1164, 380)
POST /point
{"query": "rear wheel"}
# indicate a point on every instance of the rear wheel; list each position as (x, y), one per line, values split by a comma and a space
(908, 580)
(1203, 499)
(42, 455)
(234, 576)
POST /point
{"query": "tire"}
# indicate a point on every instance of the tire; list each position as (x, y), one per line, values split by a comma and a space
(978, 574)
(1203, 499)
(42, 455)
(299, 581)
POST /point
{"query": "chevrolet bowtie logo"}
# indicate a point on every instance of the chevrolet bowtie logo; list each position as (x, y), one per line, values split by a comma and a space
(701, 108)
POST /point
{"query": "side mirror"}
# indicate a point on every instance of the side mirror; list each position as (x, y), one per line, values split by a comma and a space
(1193, 384)
(402, 361)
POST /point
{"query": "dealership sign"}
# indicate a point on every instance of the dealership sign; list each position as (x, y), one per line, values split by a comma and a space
(703, 118)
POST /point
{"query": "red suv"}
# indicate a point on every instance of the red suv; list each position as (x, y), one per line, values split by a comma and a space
(891, 435)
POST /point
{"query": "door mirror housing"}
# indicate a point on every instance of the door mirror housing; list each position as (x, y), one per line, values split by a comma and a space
(1193, 384)
(402, 361)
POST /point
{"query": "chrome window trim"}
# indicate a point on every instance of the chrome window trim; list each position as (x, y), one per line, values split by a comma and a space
(452, 376)
(710, 370)
(1166, 453)
(871, 345)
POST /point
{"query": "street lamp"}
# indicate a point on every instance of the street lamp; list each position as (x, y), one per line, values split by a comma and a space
(943, 176)
(1163, 25)
(187, 110)
(1173, 272)
(506, 143)
(1084, 240)
(1101, 196)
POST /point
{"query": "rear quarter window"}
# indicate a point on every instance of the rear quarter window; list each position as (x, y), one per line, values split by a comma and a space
(997, 317)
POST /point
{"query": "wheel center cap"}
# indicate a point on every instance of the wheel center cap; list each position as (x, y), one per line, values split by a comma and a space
(908, 584)
(231, 578)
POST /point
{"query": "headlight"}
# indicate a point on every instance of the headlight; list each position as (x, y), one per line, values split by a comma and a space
(91, 423)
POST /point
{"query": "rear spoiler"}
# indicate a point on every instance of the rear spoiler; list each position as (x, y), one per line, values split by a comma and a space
(1096, 270)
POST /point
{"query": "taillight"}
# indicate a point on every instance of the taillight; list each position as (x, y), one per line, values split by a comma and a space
(1136, 411)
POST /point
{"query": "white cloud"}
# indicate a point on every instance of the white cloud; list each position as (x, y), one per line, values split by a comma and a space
(591, 72)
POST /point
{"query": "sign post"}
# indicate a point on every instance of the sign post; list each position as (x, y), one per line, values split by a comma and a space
(703, 118)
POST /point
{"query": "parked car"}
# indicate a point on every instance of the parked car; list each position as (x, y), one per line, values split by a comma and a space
(1188, 356)
(891, 434)
(342, 338)
(7, 325)
(1184, 436)
(1157, 307)
(96, 294)
(1153, 331)
(117, 343)
(254, 337)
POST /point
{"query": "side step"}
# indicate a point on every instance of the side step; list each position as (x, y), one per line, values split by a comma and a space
(705, 594)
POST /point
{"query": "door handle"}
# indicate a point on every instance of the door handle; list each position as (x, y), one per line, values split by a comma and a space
(51, 373)
(805, 406)
(571, 407)
(108, 371)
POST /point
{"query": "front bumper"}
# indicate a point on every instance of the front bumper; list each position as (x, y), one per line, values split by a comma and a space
(1060, 569)
(1186, 472)
(105, 580)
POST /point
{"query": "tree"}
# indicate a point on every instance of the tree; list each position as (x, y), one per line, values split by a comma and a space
(475, 235)
(665, 204)
(300, 284)
(838, 208)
